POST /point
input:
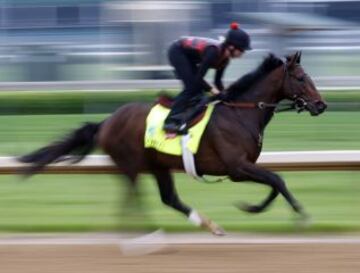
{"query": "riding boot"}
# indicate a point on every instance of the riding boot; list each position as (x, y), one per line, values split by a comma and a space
(184, 126)
(174, 121)
(174, 118)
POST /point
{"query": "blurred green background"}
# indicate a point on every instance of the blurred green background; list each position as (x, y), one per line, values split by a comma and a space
(75, 203)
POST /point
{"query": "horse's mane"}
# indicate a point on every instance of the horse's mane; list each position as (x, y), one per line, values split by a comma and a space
(248, 80)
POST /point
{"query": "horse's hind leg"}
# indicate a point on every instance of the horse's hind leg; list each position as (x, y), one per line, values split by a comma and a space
(170, 198)
(248, 171)
(132, 209)
(262, 206)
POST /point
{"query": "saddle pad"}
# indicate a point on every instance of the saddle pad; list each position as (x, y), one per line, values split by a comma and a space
(155, 137)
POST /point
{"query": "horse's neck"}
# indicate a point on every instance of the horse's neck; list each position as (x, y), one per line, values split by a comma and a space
(268, 90)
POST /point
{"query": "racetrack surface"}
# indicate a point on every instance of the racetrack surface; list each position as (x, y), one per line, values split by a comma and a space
(180, 253)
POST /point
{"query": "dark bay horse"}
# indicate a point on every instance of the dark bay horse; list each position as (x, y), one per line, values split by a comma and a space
(230, 145)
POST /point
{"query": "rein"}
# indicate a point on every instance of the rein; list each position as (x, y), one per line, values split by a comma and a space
(257, 105)
(296, 105)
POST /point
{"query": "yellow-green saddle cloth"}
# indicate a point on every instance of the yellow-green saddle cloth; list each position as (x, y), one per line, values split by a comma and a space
(155, 137)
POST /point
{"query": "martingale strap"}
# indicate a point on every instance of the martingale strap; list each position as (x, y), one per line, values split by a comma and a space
(189, 162)
(188, 158)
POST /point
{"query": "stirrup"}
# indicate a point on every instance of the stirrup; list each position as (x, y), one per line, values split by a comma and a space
(183, 129)
(171, 127)
(178, 129)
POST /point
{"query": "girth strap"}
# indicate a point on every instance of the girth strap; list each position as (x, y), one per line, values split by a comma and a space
(189, 163)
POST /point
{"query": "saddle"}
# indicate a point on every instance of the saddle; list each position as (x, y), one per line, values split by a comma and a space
(156, 138)
(195, 110)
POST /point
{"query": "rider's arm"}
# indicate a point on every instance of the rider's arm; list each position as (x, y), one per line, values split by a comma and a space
(210, 56)
(218, 77)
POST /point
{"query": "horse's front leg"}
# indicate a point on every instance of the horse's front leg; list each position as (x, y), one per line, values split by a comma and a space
(246, 171)
(170, 198)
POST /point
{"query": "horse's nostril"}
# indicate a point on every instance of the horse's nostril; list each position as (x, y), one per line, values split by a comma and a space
(321, 106)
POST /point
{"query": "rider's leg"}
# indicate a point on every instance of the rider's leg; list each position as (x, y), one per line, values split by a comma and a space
(199, 106)
(178, 108)
(185, 71)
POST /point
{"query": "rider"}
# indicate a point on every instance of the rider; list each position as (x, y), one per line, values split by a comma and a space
(192, 57)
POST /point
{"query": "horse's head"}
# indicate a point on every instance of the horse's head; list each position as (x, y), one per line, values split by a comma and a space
(299, 87)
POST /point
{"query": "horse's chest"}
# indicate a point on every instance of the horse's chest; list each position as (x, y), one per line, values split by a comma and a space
(254, 147)
(260, 140)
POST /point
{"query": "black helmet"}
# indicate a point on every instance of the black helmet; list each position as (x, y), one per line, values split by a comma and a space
(237, 37)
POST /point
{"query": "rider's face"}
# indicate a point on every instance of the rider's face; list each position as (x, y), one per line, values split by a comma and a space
(234, 52)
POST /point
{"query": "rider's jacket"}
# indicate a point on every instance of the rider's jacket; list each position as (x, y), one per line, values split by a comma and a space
(204, 53)
(196, 48)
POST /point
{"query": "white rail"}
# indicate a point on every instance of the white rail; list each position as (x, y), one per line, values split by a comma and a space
(278, 161)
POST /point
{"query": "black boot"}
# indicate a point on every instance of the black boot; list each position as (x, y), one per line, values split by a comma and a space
(173, 122)
(183, 127)
(171, 127)
(178, 118)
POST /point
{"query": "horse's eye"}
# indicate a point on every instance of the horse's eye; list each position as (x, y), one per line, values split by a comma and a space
(301, 79)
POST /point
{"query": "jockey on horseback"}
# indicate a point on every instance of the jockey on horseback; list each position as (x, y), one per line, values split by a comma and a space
(192, 57)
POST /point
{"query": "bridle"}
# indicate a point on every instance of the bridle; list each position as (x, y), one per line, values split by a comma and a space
(298, 103)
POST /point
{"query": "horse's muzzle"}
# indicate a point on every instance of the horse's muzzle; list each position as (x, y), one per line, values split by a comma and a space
(321, 106)
(316, 108)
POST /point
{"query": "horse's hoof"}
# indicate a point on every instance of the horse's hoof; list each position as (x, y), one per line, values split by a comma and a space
(219, 232)
(303, 221)
(211, 226)
(248, 208)
(216, 229)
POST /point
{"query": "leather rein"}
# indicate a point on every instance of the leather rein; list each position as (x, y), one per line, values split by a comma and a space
(263, 105)
(298, 103)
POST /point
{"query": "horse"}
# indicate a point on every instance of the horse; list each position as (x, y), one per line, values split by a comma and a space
(230, 145)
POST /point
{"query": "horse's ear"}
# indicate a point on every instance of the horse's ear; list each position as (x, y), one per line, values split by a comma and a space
(298, 58)
(291, 60)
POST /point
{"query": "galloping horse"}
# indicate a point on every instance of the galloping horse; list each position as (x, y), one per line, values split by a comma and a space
(229, 147)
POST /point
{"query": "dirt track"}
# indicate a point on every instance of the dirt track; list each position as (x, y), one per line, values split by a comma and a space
(269, 257)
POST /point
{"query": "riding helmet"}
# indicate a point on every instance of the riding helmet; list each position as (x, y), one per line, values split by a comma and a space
(237, 37)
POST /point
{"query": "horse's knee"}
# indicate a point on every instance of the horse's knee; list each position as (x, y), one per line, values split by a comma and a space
(276, 181)
(168, 201)
(238, 175)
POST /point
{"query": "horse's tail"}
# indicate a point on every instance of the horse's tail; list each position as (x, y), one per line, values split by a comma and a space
(75, 146)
